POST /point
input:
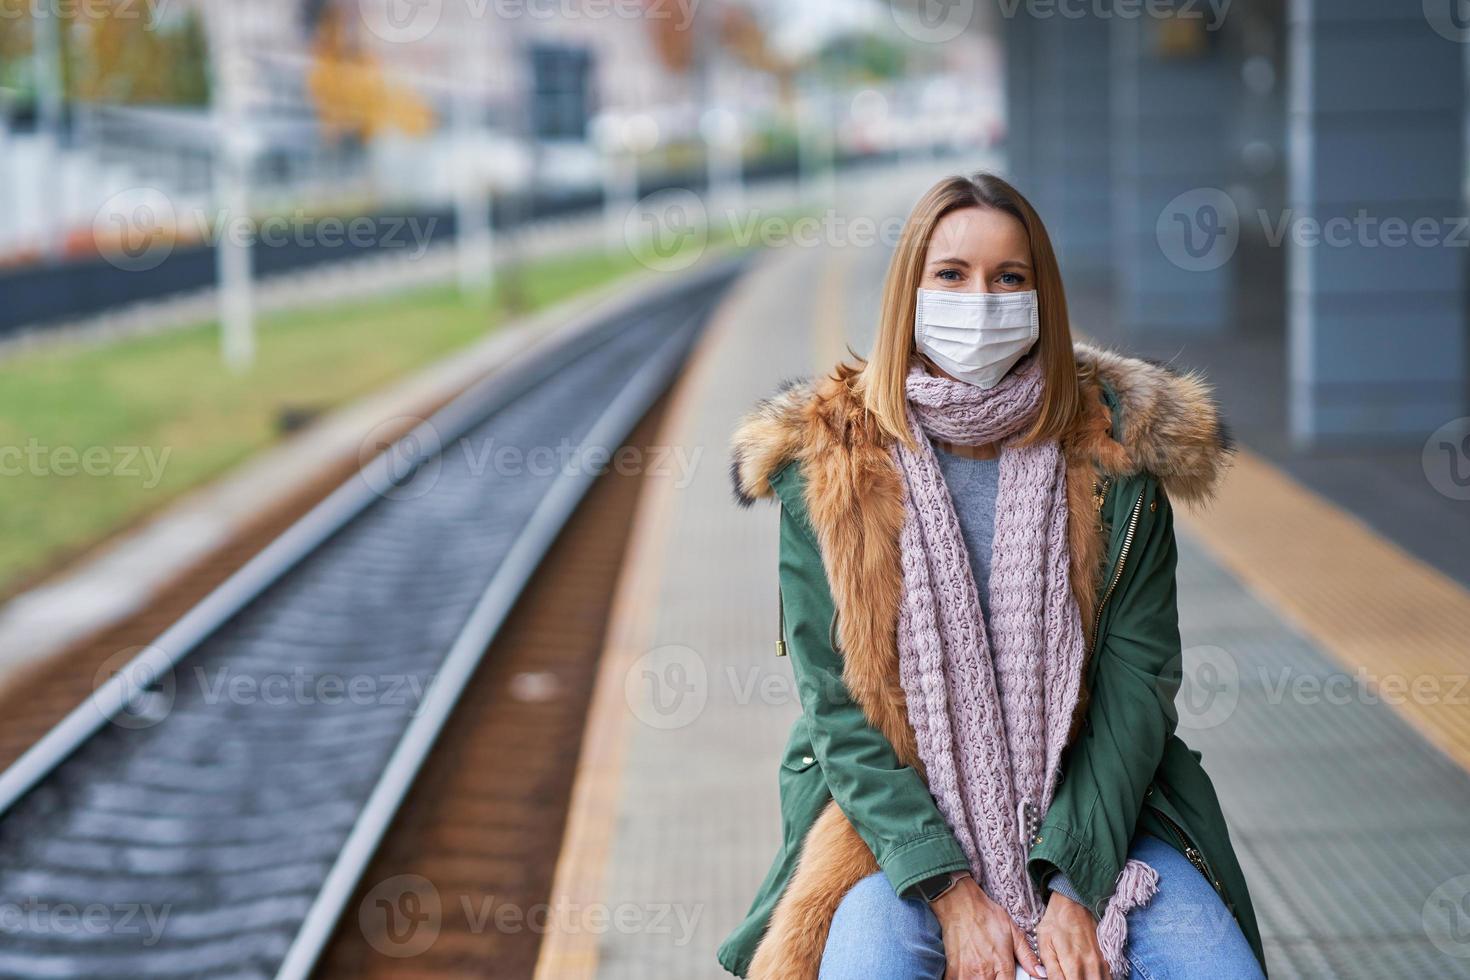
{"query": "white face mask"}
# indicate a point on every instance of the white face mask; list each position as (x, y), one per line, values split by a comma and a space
(976, 337)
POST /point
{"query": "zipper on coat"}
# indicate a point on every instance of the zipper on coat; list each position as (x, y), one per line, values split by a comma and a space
(1122, 561)
(780, 623)
(1191, 853)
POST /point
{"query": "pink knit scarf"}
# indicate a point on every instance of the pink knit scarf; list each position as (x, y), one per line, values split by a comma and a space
(991, 708)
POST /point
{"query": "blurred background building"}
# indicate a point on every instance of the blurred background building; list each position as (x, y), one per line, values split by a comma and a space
(341, 106)
(1262, 119)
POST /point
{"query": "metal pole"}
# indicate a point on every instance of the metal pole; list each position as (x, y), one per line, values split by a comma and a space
(721, 131)
(815, 144)
(234, 157)
(619, 180)
(234, 262)
(725, 170)
(7, 179)
(50, 118)
(474, 234)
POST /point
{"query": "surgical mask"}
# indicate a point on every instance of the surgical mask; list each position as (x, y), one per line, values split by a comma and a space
(976, 337)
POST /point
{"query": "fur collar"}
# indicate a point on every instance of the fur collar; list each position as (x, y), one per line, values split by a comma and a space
(1167, 424)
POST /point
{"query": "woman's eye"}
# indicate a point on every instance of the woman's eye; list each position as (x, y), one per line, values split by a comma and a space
(1011, 279)
(948, 275)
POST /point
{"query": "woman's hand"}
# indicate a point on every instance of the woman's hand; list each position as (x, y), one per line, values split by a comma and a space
(980, 940)
(1067, 939)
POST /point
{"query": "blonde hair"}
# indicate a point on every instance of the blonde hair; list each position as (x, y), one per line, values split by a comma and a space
(881, 381)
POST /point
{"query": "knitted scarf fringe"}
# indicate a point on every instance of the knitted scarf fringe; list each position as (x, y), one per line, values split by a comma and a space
(1136, 885)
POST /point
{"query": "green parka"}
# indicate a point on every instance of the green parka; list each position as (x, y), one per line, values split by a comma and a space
(1125, 770)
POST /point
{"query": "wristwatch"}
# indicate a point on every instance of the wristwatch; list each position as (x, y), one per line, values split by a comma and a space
(932, 889)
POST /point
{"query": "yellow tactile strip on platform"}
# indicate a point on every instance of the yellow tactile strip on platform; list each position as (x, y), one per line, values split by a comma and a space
(1368, 603)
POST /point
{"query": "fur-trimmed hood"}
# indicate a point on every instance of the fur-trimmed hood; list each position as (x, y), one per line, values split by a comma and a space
(1169, 425)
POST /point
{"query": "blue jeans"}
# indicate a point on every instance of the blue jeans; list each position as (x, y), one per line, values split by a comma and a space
(1184, 933)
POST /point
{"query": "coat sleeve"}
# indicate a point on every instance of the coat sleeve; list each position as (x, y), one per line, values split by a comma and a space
(1130, 716)
(888, 804)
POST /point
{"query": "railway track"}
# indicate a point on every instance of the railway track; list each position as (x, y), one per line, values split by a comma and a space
(473, 850)
(211, 809)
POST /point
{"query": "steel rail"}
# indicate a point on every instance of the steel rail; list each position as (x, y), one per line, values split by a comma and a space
(511, 576)
(395, 465)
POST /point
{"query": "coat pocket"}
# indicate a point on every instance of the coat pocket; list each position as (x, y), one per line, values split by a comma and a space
(800, 756)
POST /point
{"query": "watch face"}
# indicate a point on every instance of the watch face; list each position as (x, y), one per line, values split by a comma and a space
(932, 888)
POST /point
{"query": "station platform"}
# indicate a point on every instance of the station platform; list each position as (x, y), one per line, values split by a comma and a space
(1325, 686)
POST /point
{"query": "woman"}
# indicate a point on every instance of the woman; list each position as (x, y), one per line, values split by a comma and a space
(978, 599)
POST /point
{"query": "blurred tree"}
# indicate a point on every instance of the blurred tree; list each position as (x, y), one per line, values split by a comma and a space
(670, 23)
(352, 94)
(112, 52)
(743, 36)
(16, 39)
(862, 58)
(116, 56)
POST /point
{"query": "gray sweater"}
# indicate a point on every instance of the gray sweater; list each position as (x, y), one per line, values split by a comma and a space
(972, 485)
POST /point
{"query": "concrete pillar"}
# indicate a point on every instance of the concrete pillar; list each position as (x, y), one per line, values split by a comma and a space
(1070, 163)
(1016, 33)
(1376, 251)
(1174, 228)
